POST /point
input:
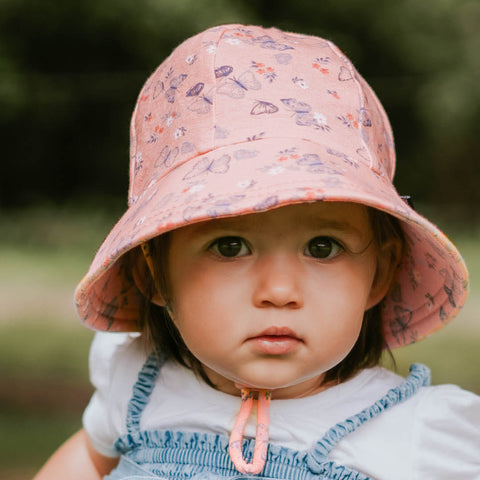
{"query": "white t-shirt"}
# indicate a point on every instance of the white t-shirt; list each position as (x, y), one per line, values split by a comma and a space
(434, 435)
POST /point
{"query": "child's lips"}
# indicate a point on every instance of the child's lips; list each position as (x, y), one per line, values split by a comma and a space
(275, 341)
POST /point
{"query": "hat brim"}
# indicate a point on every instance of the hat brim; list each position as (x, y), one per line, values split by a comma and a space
(430, 286)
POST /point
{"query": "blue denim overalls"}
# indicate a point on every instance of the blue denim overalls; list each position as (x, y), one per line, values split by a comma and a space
(175, 455)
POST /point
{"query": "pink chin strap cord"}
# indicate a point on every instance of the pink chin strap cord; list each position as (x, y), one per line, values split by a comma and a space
(261, 435)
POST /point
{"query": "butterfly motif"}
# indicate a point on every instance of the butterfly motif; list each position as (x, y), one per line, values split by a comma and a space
(266, 41)
(138, 162)
(202, 103)
(195, 90)
(167, 157)
(283, 58)
(365, 118)
(449, 287)
(267, 203)
(243, 154)
(294, 105)
(221, 132)
(158, 89)
(401, 324)
(223, 71)
(262, 107)
(191, 212)
(237, 87)
(349, 160)
(315, 164)
(208, 165)
(363, 153)
(175, 82)
(345, 74)
(187, 147)
(304, 116)
(222, 206)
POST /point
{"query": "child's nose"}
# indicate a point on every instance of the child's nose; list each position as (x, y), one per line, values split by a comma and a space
(278, 282)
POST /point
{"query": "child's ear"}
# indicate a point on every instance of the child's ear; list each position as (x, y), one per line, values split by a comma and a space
(388, 258)
(142, 276)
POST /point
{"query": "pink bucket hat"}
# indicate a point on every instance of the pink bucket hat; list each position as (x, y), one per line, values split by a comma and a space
(245, 119)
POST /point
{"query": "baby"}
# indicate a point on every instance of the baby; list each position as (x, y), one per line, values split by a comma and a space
(266, 261)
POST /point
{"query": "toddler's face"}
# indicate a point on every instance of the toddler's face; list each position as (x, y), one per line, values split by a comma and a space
(275, 299)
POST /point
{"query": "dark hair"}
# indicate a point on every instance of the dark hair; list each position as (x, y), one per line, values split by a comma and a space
(161, 333)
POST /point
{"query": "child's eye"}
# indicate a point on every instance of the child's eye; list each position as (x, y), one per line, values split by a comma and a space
(230, 247)
(323, 247)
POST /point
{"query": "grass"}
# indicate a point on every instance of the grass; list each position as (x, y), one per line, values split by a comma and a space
(43, 347)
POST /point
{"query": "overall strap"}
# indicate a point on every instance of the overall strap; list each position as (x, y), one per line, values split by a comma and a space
(419, 376)
(142, 390)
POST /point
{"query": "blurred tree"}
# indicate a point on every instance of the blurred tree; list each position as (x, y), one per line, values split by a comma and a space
(70, 72)
(422, 60)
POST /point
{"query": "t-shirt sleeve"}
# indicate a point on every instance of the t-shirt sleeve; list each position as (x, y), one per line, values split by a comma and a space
(447, 440)
(101, 419)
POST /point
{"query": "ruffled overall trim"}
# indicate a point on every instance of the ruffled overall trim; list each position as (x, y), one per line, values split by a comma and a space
(184, 455)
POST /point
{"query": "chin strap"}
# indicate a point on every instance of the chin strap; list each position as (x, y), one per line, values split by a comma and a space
(261, 435)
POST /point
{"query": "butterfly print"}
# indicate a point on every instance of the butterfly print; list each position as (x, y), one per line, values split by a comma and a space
(175, 82)
(303, 115)
(237, 87)
(223, 71)
(449, 287)
(223, 205)
(244, 154)
(195, 90)
(191, 212)
(202, 103)
(401, 324)
(263, 107)
(138, 162)
(314, 164)
(191, 59)
(364, 118)
(110, 310)
(158, 89)
(269, 202)
(295, 106)
(344, 156)
(267, 42)
(167, 157)
(345, 74)
(187, 147)
(431, 299)
(221, 132)
(363, 153)
(208, 165)
(283, 58)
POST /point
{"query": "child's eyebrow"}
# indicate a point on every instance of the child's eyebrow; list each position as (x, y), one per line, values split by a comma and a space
(341, 226)
(230, 225)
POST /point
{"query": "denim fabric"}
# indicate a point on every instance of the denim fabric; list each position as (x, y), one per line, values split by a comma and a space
(200, 456)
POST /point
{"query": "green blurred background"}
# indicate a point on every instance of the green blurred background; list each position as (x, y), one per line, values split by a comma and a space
(70, 72)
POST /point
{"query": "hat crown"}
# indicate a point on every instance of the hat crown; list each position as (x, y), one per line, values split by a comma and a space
(233, 84)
